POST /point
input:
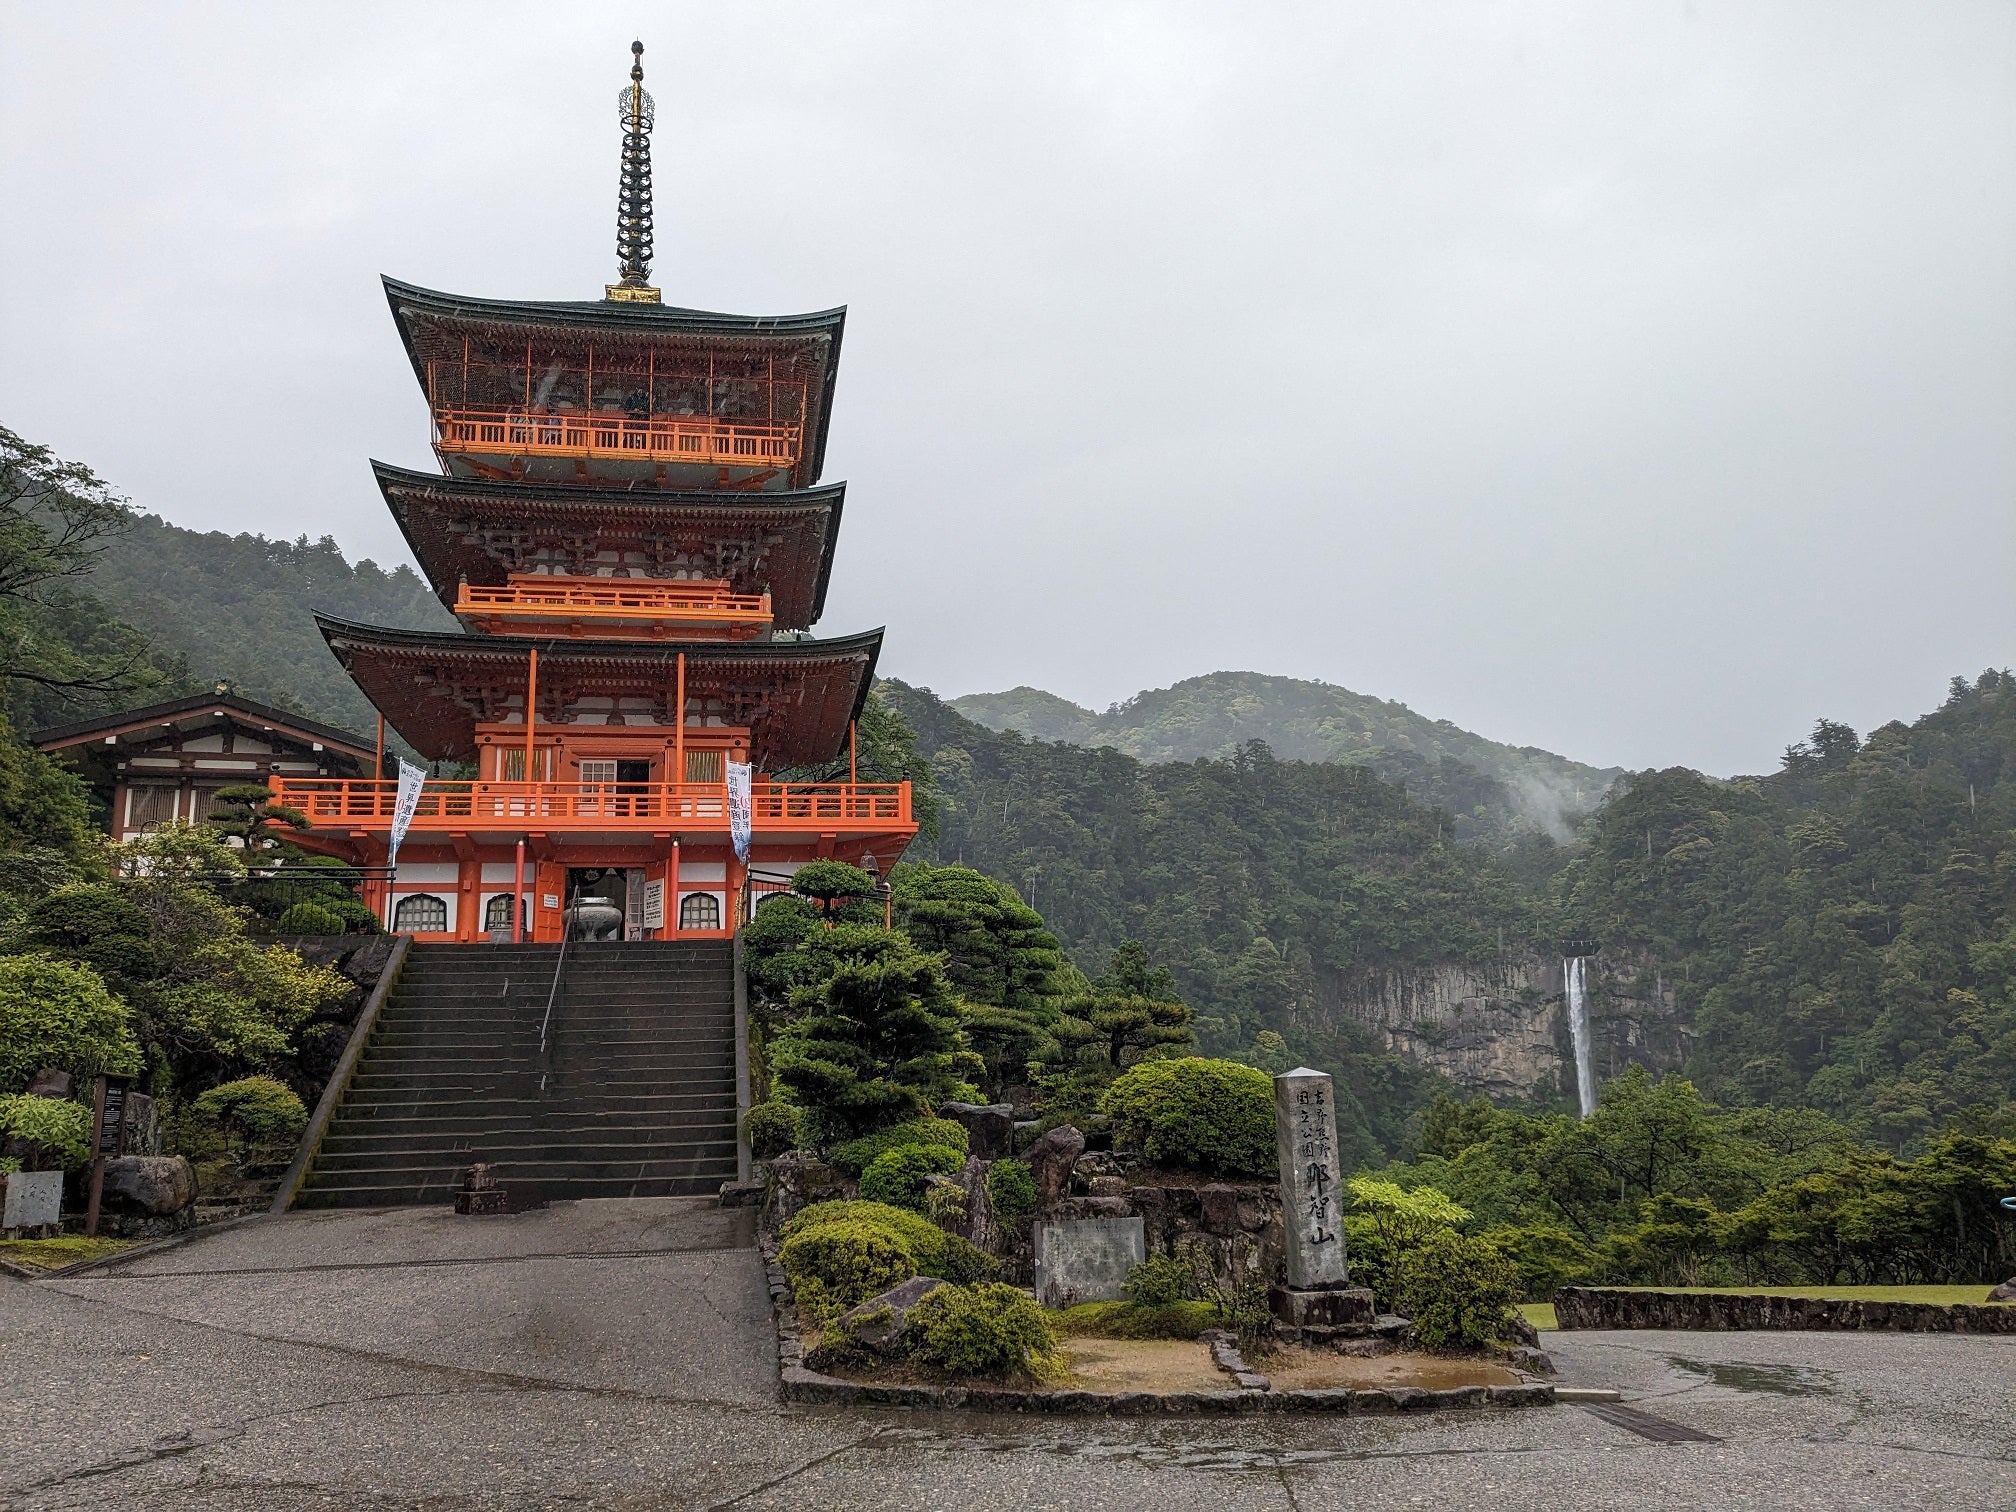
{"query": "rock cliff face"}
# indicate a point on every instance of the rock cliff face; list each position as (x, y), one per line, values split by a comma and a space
(1502, 1029)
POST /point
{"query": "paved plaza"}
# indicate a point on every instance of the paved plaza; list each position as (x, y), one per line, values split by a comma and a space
(617, 1354)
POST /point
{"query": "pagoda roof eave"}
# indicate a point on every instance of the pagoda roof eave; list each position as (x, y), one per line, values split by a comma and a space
(625, 316)
(813, 738)
(561, 499)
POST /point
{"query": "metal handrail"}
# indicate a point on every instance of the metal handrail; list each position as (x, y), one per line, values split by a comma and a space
(553, 994)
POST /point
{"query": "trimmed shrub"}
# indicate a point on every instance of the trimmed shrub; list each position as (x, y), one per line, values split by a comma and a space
(1210, 1115)
(265, 1111)
(857, 1155)
(60, 1129)
(1130, 1320)
(309, 919)
(936, 1252)
(835, 1265)
(1011, 1189)
(898, 1177)
(1161, 1280)
(985, 1330)
(1457, 1290)
(773, 1128)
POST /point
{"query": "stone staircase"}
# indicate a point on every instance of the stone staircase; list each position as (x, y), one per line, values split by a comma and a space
(639, 1077)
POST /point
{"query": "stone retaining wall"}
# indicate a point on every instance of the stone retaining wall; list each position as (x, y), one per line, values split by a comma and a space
(1603, 1307)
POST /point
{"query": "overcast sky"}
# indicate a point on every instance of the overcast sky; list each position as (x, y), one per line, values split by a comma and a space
(1631, 380)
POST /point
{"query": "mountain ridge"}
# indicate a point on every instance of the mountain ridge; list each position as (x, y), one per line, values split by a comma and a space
(1212, 715)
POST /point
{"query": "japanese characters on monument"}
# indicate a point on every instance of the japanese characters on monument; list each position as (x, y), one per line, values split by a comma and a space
(1312, 1181)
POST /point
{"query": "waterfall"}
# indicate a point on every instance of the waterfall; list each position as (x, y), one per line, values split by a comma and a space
(1576, 984)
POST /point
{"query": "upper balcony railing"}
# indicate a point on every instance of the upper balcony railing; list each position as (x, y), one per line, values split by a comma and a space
(615, 606)
(359, 803)
(591, 435)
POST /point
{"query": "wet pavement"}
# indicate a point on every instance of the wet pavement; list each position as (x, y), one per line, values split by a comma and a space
(617, 1355)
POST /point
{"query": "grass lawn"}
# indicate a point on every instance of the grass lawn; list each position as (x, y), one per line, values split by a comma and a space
(54, 1254)
(1541, 1314)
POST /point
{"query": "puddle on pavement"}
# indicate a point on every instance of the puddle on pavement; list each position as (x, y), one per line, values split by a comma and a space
(1778, 1380)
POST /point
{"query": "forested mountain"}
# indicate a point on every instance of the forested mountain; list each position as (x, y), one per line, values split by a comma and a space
(1839, 935)
(1490, 788)
(241, 607)
(1844, 931)
(1251, 878)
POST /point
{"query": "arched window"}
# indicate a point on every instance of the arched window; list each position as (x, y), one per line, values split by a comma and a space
(700, 911)
(422, 913)
(497, 913)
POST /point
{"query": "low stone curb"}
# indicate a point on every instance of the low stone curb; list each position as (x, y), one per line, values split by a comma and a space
(137, 1252)
(802, 1385)
(797, 1383)
(1613, 1307)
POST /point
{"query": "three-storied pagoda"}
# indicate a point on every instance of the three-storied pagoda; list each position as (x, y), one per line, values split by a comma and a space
(630, 526)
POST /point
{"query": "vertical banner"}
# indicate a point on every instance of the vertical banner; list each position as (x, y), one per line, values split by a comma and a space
(738, 808)
(405, 805)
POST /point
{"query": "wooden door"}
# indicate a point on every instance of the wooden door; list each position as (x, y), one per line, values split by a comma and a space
(549, 902)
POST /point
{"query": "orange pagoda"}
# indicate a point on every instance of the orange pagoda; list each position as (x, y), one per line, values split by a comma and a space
(630, 526)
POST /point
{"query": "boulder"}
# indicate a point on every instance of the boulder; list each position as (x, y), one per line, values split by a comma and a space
(877, 1325)
(1219, 1207)
(49, 1082)
(990, 1127)
(1050, 1161)
(143, 1125)
(156, 1185)
(798, 1179)
(2006, 1292)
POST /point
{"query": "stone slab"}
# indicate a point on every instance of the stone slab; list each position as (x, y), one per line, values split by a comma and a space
(1086, 1259)
(33, 1199)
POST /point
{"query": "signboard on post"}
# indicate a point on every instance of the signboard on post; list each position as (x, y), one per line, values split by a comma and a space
(738, 808)
(654, 903)
(108, 1130)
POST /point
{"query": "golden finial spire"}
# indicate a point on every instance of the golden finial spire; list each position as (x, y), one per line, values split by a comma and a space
(633, 200)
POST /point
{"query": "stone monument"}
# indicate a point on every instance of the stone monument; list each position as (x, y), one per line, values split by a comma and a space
(1318, 1294)
(1086, 1259)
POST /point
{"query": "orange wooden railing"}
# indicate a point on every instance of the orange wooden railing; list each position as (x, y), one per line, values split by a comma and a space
(611, 433)
(627, 599)
(363, 804)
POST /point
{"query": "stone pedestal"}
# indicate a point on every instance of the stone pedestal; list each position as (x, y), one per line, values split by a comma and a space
(1346, 1306)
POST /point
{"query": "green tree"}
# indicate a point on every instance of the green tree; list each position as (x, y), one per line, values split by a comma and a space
(59, 649)
(832, 885)
(876, 1040)
(59, 1014)
(1116, 1032)
(206, 999)
(245, 812)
